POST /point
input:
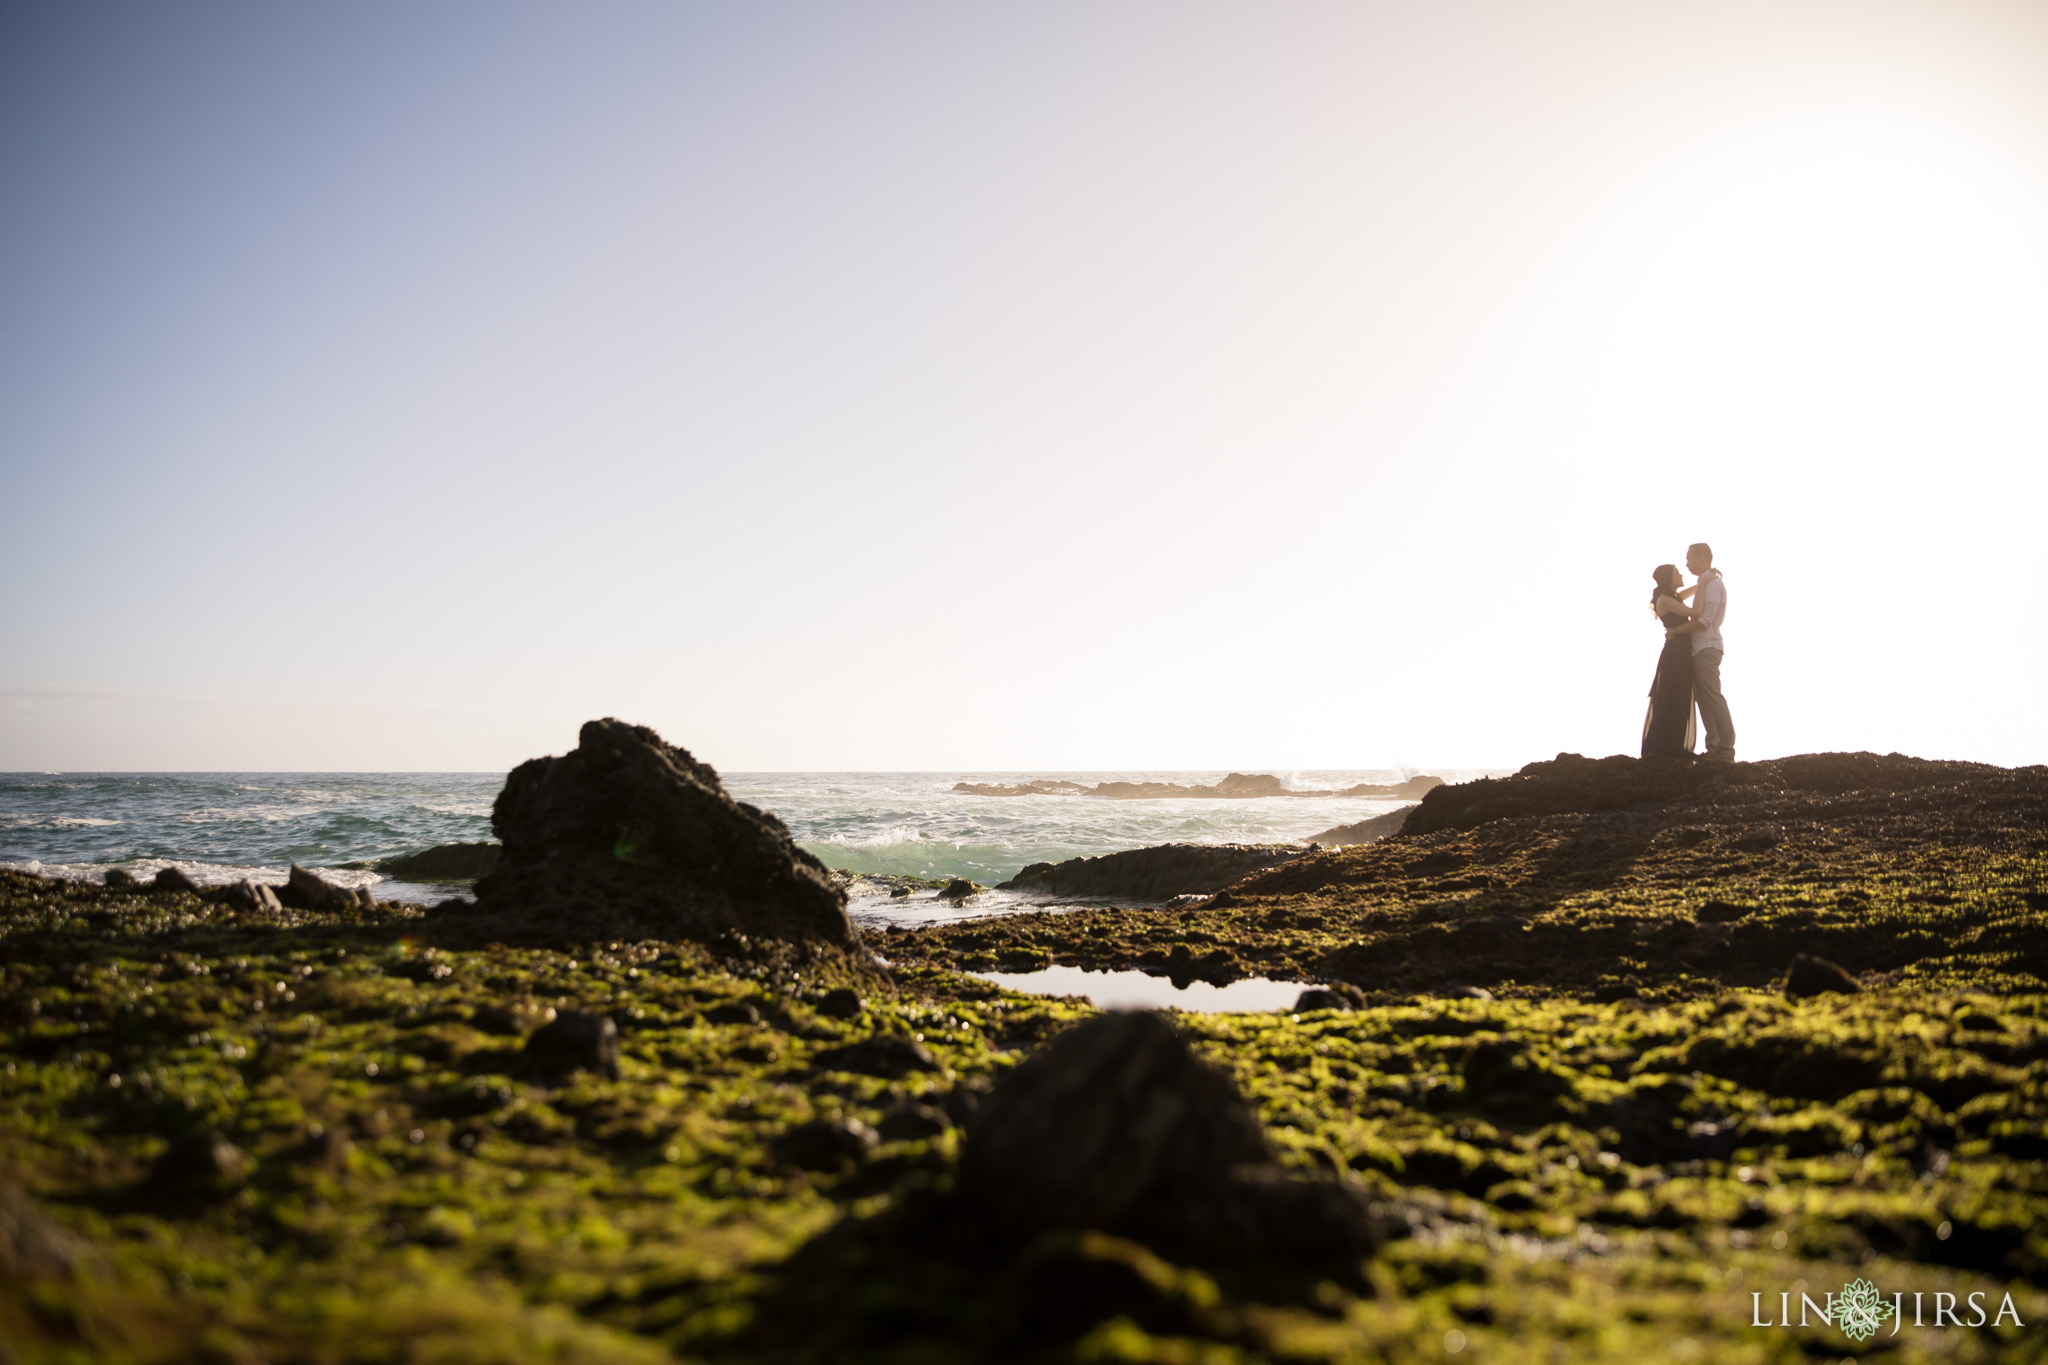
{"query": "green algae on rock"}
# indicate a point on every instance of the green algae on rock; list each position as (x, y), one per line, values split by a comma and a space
(1604, 1163)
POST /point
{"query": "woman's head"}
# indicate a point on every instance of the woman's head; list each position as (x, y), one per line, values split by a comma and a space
(1668, 580)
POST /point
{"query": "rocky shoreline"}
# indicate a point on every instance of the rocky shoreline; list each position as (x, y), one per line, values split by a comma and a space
(1605, 1049)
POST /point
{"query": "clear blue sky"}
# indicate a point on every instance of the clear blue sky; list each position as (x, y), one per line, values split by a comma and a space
(1028, 386)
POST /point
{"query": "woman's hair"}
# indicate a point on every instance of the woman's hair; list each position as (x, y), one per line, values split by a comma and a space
(1667, 582)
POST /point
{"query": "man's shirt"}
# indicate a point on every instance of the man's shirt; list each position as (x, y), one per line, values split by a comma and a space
(1712, 600)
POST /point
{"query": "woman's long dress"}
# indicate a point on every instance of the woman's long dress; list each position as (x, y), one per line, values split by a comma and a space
(1668, 729)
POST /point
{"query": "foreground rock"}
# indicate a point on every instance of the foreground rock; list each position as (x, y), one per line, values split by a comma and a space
(1235, 787)
(1153, 874)
(1364, 831)
(1118, 1126)
(445, 863)
(627, 837)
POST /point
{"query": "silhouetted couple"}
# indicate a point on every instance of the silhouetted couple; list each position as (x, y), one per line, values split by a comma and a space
(1689, 669)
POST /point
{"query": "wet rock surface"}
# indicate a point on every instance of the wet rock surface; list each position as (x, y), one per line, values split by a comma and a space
(630, 837)
(1153, 874)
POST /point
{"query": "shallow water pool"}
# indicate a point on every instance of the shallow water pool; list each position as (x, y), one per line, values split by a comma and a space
(1132, 990)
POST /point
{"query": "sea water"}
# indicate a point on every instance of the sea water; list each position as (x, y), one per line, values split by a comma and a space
(220, 827)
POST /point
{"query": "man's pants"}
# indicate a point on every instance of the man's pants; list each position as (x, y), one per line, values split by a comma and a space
(1706, 693)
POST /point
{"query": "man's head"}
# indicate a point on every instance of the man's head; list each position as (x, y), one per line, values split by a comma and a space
(1699, 558)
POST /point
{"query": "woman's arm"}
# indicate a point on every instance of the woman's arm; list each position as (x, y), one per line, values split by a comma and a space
(1682, 608)
(1684, 593)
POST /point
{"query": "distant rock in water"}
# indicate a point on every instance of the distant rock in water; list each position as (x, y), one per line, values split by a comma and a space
(1154, 874)
(1364, 831)
(628, 837)
(445, 863)
(1235, 787)
(1573, 784)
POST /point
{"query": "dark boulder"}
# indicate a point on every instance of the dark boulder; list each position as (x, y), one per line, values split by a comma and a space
(445, 863)
(174, 879)
(1363, 831)
(824, 1144)
(120, 879)
(1119, 1127)
(628, 837)
(959, 889)
(1154, 874)
(573, 1042)
(1817, 976)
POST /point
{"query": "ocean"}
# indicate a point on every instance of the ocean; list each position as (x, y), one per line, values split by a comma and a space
(220, 827)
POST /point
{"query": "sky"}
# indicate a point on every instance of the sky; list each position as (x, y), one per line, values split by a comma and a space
(1014, 387)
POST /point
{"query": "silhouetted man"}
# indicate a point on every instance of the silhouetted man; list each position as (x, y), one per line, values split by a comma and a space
(1711, 602)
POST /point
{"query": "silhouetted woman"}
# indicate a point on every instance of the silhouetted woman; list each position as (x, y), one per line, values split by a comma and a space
(1668, 729)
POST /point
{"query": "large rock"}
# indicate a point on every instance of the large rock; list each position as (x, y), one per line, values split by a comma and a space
(1119, 1127)
(1153, 874)
(627, 837)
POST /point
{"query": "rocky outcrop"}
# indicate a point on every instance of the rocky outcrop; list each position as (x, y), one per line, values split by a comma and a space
(445, 863)
(1235, 787)
(1364, 831)
(1153, 874)
(1117, 1126)
(1573, 784)
(628, 837)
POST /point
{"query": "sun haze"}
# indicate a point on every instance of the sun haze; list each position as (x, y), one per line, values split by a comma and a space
(919, 386)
